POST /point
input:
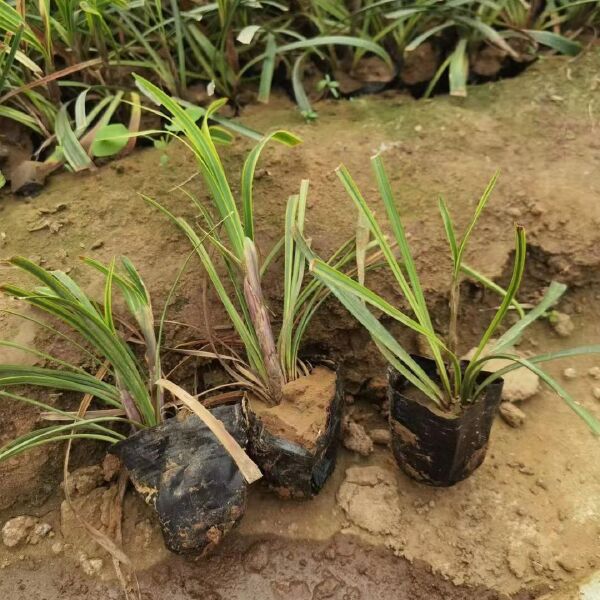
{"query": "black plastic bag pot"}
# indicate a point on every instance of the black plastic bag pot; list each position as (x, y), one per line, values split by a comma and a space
(290, 469)
(183, 471)
(430, 445)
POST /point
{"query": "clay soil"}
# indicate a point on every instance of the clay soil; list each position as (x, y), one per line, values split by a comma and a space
(301, 417)
(527, 523)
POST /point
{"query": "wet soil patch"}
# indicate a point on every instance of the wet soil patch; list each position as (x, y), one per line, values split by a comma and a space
(267, 568)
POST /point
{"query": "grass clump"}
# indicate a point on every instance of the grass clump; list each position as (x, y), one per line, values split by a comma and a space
(269, 361)
(127, 393)
(458, 385)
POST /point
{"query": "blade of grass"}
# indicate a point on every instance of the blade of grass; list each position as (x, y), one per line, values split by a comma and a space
(268, 68)
(282, 136)
(73, 151)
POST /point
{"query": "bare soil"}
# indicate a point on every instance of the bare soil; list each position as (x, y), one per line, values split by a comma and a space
(302, 414)
(527, 522)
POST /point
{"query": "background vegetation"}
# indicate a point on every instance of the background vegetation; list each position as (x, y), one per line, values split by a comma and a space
(65, 65)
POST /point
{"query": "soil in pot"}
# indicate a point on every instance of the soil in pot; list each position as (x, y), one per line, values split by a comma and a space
(295, 442)
(183, 471)
(433, 446)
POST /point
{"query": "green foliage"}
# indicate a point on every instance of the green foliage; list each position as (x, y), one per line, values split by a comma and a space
(128, 393)
(231, 262)
(231, 43)
(110, 140)
(457, 386)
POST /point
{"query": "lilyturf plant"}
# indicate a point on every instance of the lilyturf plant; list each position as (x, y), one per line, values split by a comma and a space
(269, 361)
(457, 386)
(129, 391)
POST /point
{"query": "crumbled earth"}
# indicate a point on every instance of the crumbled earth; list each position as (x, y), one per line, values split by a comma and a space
(526, 523)
(562, 323)
(355, 438)
(512, 414)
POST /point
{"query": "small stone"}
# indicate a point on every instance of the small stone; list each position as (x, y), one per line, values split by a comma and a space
(515, 212)
(569, 373)
(381, 436)
(596, 393)
(90, 566)
(561, 323)
(512, 414)
(41, 530)
(97, 244)
(17, 531)
(57, 547)
(356, 439)
(594, 372)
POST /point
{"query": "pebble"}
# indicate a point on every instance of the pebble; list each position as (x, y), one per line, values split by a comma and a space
(356, 439)
(18, 530)
(569, 373)
(561, 323)
(594, 372)
(90, 566)
(380, 436)
(57, 547)
(512, 414)
(41, 530)
(596, 393)
(515, 212)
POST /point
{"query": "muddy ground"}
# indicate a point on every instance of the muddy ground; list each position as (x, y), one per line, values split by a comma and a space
(528, 521)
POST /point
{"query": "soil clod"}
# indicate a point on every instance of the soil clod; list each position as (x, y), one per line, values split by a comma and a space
(356, 438)
(380, 436)
(562, 323)
(512, 414)
(18, 530)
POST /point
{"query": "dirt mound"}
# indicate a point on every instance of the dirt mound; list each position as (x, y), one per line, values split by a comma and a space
(302, 414)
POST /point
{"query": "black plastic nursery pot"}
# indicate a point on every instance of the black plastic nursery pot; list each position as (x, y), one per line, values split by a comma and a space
(290, 469)
(430, 445)
(183, 471)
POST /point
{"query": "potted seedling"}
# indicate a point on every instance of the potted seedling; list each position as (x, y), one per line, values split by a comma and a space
(185, 466)
(441, 407)
(294, 404)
